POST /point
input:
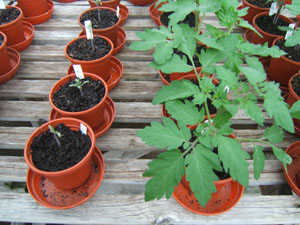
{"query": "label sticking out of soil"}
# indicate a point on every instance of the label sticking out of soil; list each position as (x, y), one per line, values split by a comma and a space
(118, 11)
(2, 5)
(273, 9)
(296, 85)
(108, 18)
(289, 32)
(78, 71)
(8, 15)
(266, 24)
(74, 99)
(260, 3)
(83, 50)
(53, 153)
(88, 29)
(83, 129)
(292, 53)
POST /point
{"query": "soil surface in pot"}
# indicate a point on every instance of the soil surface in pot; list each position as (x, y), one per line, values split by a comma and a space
(296, 85)
(8, 15)
(1, 39)
(266, 24)
(83, 50)
(108, 18)
(48, 156)
(260, 3)
(190, 19)
(74, 99)
(292, 53)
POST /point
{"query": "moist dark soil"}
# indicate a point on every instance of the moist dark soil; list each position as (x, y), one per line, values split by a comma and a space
(266, 24)
(83, 50)
(47, 156)
(260, 3)
(8, 15)
(70, 99)
(108, 18)
(211, 108)
(1, 39)
(292, 53)
(190, 19)
(296, 85)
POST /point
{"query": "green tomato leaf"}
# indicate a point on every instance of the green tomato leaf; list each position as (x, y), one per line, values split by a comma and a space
(206, 6)
(209, 41)
(163, 52)
(263, 50)
(293, 40)
(228, 77)
(294, 8)
(166, 135)
(167, 170)
(233, 158)
(206, 85)
(282, 156)
(295, 110)
(252, 110)
(274, 134)
(178, 89)
(199, 172)
(258, 161)
(222, 117)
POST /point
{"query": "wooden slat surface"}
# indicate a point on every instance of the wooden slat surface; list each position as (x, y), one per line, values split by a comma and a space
(119, 200)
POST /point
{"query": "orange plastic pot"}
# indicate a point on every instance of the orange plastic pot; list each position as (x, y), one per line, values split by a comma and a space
(267, 37)
(4, 59)
(94, 116)
(31, 8)
(282, 69)
(14, 30)
(99, 66)
(292, 98)
(142, 2)
(109, 32)
(175, 76)
(252, 11)
(292, 175)
(298, 19)
(155, 13)
(66, 1)
(110, 4)
(73, 176)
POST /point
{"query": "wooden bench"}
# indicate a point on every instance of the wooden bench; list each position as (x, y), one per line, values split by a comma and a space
(119, 200)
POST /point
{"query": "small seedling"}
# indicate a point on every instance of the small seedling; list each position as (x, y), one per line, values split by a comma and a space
(79, 84)
(56, 134)
(98, 3)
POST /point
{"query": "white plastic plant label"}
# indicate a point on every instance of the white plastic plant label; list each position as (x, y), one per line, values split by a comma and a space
(83, 129)
(88, 29)
(78, 71)
(273, 9)
(2, 5)
(118, 11)
(289, 32)
(227, 89)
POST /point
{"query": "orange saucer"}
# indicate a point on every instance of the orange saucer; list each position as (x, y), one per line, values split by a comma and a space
(15, 59)
(41, 18)
(109, 115)
(46, 194)
(29, 33)
(124, 12)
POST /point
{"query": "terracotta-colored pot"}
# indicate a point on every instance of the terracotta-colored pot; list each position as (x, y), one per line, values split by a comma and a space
(94, 116)
(99, 66)
(292, 175)
(288, 2)
(281, 69)
(293, 97)
(65, 1)
(252, 11)
(14, 30)
(175, 76)
(267, 37)
(4, 59)
(298, 19)
(73, 176)
(109, 32)
(110, 4)
(32, 8)
(142, 2)
(155, 13)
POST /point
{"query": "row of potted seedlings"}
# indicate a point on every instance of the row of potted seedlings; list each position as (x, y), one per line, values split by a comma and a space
(204, 166)
(65, 166)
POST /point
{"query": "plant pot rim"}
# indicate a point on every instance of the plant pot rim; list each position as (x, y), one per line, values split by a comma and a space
(4, 43)
(254, 6)
(79, 113)
(13, 21)
(291, 90)
(266, 14)
(44, 127)
(284, 57)
(95, 8)
(76, 61)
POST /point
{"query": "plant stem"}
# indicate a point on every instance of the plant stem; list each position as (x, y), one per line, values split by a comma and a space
(190, 148)
(276, 17)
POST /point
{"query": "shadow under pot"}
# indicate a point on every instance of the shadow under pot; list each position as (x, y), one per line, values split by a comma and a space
(46, 152)
(293, 96)
(108, 24)
(263, 23)
(283, 68)
(93, 59)
(82, 99)
(106, 3)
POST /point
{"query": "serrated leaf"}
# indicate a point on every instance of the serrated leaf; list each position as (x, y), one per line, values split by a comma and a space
(254, 72)
(185, 112)
(233, 158)
(222, 117)
(252, 110)
(178, 89)
(294, 8)
(206, 6)
(244, 23)
(258, 161)
(211, 42)
(293, 40)
(228, 77)
(184, 35)
(274, 134)
(199, 173)
(233, 62)
(166, 135)
(282, 156)
(243, 11)
(262, 50)
(163, 52)
(210, 56)
(167, 170)
(206, 85)
(295, 110)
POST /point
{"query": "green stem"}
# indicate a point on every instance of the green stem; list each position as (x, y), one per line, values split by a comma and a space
(190, 148)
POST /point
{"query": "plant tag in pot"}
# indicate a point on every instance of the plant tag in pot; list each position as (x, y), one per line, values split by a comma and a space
(78, 71)
(2, 5)
(118, 11)
(289, 32)
(273, 9)
(88, 29)
(83, 129)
